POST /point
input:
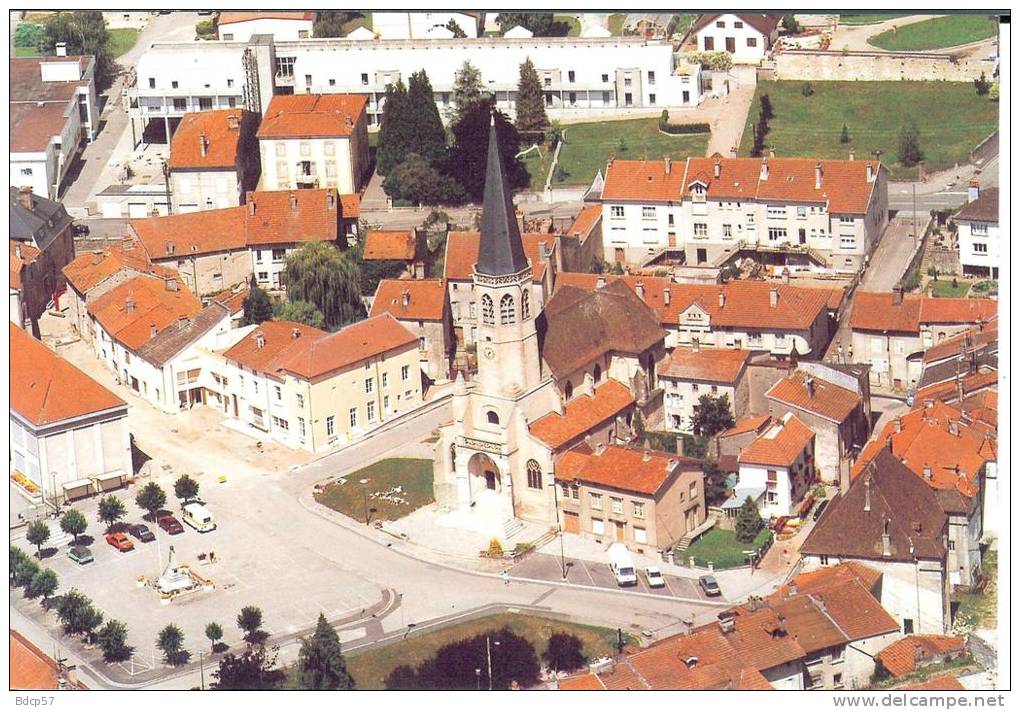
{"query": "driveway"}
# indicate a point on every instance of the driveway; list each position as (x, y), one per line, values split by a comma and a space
(854, 38)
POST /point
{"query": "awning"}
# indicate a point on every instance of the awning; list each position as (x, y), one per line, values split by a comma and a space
(80, 483)
(109, 476)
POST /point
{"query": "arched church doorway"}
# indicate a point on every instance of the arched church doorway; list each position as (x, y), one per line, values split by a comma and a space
(485, 475)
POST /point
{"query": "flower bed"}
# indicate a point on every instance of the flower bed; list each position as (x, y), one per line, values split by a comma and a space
(25, 483)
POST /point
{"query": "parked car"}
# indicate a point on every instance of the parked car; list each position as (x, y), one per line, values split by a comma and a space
(120, 541)
(655, 578)
(141, 533)
(81, 230)
(198, 517)
(171, 525)
(820, 509)
(622, 564)
(709, 586)
(81, 555)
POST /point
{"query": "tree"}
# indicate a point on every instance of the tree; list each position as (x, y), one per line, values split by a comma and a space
(791, 25)
(73, 523)
(250, 622)
(468, 90)
(44, 583)
(24, 572)
(29, 35)
(77, 615)
(982, 85)
(112, 639)
(564, 652)
(993, 91)
(321, 660)
(428, 135)
(766, 107)
(213, 632)
(395, 129)
(458, 33)
(638, 427)
(712, 415)
(910, 145)
(330, 23)
(258, 307)
(37, 534)
(299, 312)
(110, 510)
(252, 670)
(84, 32)
(186, 488)
(328, 279)
(417, 181)
(807, 89)
(749, 522)
(532, 121)
(17, 555)
(171, 642)
(151, 499)
(469, 150)
(715, 482)
(541, 24)
(844, 136)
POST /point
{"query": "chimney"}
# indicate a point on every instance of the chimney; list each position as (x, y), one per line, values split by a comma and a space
(772, 152)
(764, 175)
(349, 122)
(869, 170)
(600, 282)
(973, 190)
(717, 168)
(792, 588)
(691, 662)
(543, 252)
(897, 295)
(647, 455)
(927, 472)
(17, 250)
(152, 330)
(726, 621)
(665, 296)
(25, 197)
(295, 333)
(251, 206)
(260, 340)
(886, 547)
(232, 121)
(61, 49)
(97, 257)
(898, 425)
(129, 304)
(182, 322)
(639, 288)
(867, 495)
(918, 653)
(809, 385)
(609, 162)
(293, 200)
(818, 176)
(954, 427)
(405, 298)
(773, 297)
(695, 344)
(786, 275)
(203, 144)
(722, 299)
(600, 449)
(852, 154)
(669, 165)
(330, 200)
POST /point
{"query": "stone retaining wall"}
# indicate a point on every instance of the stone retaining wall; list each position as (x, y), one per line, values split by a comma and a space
(875, 66)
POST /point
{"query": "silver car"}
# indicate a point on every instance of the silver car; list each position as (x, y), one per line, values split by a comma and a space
(655, 578)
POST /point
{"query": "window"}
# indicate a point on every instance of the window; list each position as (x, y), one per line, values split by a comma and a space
(547, 81)
(488, 312)
(647, 213)
(386, 404)
(980, 248)
(180, 104)
(626, 81)
(279, 254)
(616, 505)
(329, 148)
(847, 242)
(354, 416)
(281, 423)
(693, 492)
(507, 313)
(979, 228)
(525, 305)
(823, 559)
(596, 501)
(27, 172)
(570, 76)
(639, 509)
(300, 398)
(776, 211)
(371, 411)
(701, 229)
(908, 626)
(575, 492)
(306, 149)
(640, 535)
(492, 417)
(651, 77)
(285, 66)
(152, 83)
(801, 212)
(278, 392)
(421, 342)
(330, 428)
(616, 211)
(710, 44)
(598, 527)
(368, 385)
(232, 101)
(385, 379)
(752, 41)
(405, 372)
(568, 391)
(534, 474)
(738, 25)
(173, 84)
(952, 545)
(651, 99)
(308, 79)
(720, 23)
(230, 82)
(776, 233)
(228, 36)
(846, 220)
(204, 103)
(605, 78)
(727, 231)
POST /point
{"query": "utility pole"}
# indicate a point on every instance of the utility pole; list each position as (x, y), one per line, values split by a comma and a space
(201, 671)
(488, 658)
(913, 189)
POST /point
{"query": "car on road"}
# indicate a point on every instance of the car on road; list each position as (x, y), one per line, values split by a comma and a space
(141, 533)
(81, 555)
(120, 541)
(655, 578)
(171, 525)
(820, 509)
(81, 230)
(709, 586)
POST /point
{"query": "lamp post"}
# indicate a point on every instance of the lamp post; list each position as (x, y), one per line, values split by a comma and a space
(559, 527)
(478, 678)
(364, 489)
(488, 658)
(201, 671)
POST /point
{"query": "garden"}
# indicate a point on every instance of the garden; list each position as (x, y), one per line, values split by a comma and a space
(722, 549)
(386, 490)
(936, 33)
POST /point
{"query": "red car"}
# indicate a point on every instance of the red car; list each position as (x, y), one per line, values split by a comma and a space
(171, 525)
(120, 541)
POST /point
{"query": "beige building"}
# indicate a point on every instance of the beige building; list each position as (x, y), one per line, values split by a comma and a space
(690, 373)
(421, 307)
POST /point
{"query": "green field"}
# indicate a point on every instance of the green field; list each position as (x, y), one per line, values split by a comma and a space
(720, 547)
(944, 288)
(412, 476)
(936, 33)
(950, 116)
(122, 40)
(27, 52)
(868, 19)
(370, 668)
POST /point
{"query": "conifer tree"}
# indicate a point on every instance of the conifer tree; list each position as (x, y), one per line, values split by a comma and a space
(395, 129)
(428, 139)
(532, 121)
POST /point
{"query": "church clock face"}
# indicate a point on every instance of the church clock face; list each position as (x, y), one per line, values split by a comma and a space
(489, 353)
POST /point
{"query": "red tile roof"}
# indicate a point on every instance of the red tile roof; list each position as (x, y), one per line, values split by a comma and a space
(840, 574)
(229, 18)
(89, 269)
(462, 253)
(28, 254)
(588, 681)
(643, 181)
(291, 216)
(974, 382)
(848, 600)
(878, 311)
(233, 300)
(780, 445)
(387, 245)
(623, 468)
(46, 389)
(940, 682)
(315, 357)
(585, 222)
(902, 657)
(749, 424)
(312, 116)
(706, 365)
(957, 310)
(31, 669)
(350, 206)
(182, 235)
(426, 299)
(153, 304)
(276, 338)
(825, 399)
(970, 340)
(221, 141)
(582, 414)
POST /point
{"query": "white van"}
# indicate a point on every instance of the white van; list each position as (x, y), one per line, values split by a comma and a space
(622, 565)
(198, 516)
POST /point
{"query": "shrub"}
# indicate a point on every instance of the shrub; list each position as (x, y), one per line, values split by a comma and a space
(715, 61)
(564, 652)
(495, 548)
(676, 129)
(807, 89)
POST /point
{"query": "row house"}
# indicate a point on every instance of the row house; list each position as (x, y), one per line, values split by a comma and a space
(961, 367)
(827, 212)
(42, 239)
(423, 308)
(777, 469)
(693, 372)
(314, 390)
(977, 232)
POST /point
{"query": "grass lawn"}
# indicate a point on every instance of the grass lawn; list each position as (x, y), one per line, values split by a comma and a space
(937, 33)
(944, 288)
(122, 40)
(364, 21)
(575, 24)
(980, 610)
(950, 116)
(412, 476)
(588, 146)
(370, 668)
(27, 52)
(720, 547)
(538, 167)
(868, 18)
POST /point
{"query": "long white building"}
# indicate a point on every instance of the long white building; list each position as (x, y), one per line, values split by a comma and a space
(581, 76)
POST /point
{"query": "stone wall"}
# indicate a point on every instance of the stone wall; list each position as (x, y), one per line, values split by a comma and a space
(876, 66)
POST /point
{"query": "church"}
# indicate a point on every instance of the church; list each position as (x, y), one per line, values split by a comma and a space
(575, 378)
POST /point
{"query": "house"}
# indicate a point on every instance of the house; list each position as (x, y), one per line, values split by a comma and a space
(67, 446)
(213, 160)
(641, 209)
(645, 499)
(424, 25)
(241, 26)
(954, 455)
(42, 231)
(890, 519)
(960, 368)
(404, 245)
(747, 37)
(977, 232)
(691, 373)
(52, 109)
(836, 415)
(581, 245)
(314, 141)
(778, 468)
(917, 651)
(422, 307)
(314, 390)
(23, 278)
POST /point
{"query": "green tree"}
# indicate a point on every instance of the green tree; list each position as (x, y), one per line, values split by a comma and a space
(330, 23)
(766, 107)
(328, 279)
(910, 145)
(981, 85)
(258, 307)
(74, 523)
(749, 522)
(715, 482)
(16, 556)
(617, 269)
(427, 136)
(712, 415)
(213, 632)
(186, 488)
(255, 669)
(638, 426)
(171, 642)
(993, 91)
(468, 90)
(541, 24)
(790, 24)
(44, 583)
(299, 312)
(24, 572)
(151, 499)
(469, 150)
(250, 622)
(844, 136)
(370, 273)
(321, 661)
(417, 181)
(29, 34)
(37, 534)
(77, 615)
(112, 639)
(532, 120)
(110, 510)
(84, 32)
(458, 33)
(565, 652)
(395, 129)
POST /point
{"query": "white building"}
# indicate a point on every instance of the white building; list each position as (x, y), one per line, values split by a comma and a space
(747, 37)
(778, 466)
(423, 25)
(240, 26)
(692, 372)
(977, 225)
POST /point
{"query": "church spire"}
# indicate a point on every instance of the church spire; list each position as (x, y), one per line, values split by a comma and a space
(500, 252)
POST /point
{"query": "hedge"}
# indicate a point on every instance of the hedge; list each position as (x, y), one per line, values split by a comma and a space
(683, 128)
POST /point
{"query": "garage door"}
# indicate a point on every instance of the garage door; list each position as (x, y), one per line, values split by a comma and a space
(571, 522)
(138, 210)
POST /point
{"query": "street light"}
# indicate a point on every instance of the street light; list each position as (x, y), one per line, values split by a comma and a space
(478, 678)
(559, 527)
(364, 489)
(488, 658)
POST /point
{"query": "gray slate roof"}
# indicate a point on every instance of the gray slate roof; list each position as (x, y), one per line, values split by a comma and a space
(500, 251)
(174, 338)
(41, 224)
(984, 209)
